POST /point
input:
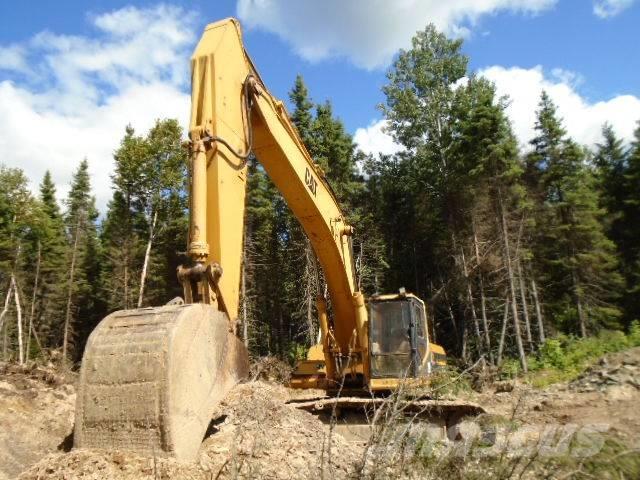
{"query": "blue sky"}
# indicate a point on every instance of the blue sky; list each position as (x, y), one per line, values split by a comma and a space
(100, 64)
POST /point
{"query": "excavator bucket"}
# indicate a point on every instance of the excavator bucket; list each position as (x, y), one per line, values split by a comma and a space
(151, 379)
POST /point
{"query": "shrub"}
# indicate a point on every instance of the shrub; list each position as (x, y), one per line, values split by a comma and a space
(551, 355)
(634, 333)
(563, 358)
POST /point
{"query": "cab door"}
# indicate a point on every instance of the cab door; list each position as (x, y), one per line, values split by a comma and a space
(419, 340)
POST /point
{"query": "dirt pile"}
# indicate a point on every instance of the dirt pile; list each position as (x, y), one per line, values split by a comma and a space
(270, 369)
(620, 370)
(254, 434)
(36, 415)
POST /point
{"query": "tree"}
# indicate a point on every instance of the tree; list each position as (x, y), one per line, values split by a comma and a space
(423, 103)
(630, 228)
(18, 214)
(610, 161)
(145, 226)
(159, 193)
(49, 302)
(83, 307)
(302, 115)
(486, 144)
(578, 258)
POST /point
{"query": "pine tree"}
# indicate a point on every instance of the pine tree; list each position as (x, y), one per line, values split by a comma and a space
(578, 258)
(50, 308)
(83, 307)
(610, 161)
(302, 115)
(630, 228)
(120, 236)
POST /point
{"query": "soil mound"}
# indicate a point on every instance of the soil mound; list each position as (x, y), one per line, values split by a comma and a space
(36, 415)
(254, 434)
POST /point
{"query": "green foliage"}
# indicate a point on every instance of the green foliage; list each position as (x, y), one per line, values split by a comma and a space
(448, 381)
(551, 355)
(629, 231)
(53, 266)
(84, 254)
(148, 206)
(572, 252)
(296, 351)
(634, 333)
(565, 357)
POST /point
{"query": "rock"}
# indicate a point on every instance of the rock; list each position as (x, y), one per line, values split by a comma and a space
(504, 386)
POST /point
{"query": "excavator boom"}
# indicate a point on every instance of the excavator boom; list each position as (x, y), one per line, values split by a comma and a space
(234, 113)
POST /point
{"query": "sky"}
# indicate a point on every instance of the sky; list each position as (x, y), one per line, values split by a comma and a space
(74, 73)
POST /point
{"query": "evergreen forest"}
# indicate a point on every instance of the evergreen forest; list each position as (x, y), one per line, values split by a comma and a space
(509, 245)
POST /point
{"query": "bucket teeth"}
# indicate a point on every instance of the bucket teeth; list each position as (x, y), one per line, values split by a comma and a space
(151, 378)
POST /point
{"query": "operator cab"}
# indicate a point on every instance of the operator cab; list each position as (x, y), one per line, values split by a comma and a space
(398, 337)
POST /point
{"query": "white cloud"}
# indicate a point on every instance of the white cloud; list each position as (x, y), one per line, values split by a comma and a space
(610, 8)
(582, 119)
(373, 139)
(12, 58)
(368, 32)
(81, 92)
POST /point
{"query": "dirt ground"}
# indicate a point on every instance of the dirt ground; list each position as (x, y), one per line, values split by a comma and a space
(255, 434)
(607, 394)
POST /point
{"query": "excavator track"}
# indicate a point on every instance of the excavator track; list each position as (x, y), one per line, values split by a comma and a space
(151, 378)
(354, 417)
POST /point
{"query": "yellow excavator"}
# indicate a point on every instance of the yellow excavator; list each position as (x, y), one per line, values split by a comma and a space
(150, 378)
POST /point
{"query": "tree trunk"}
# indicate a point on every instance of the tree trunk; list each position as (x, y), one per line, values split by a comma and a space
(16, 298)
(483, 298)
(72, 272)
(582, 320)
(474, 316)
(280, 334)
(127, 246)
(512, 287)
(147, 254)
(453, 319)
(4, 343)
(7, 300)
(536, 301)
(243, 292)
(35, 336)
(125, 292)
(503, 332)
(33, 299)
(525, 307)
(311, 289)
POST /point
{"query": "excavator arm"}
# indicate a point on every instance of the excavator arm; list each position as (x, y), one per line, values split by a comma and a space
(233, 114)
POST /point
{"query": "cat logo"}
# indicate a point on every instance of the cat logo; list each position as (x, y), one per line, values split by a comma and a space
(311, 182)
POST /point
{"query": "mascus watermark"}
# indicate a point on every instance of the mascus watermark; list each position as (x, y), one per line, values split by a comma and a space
(474, 439)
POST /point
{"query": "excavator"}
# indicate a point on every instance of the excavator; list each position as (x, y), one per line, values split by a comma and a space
(150, 378)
